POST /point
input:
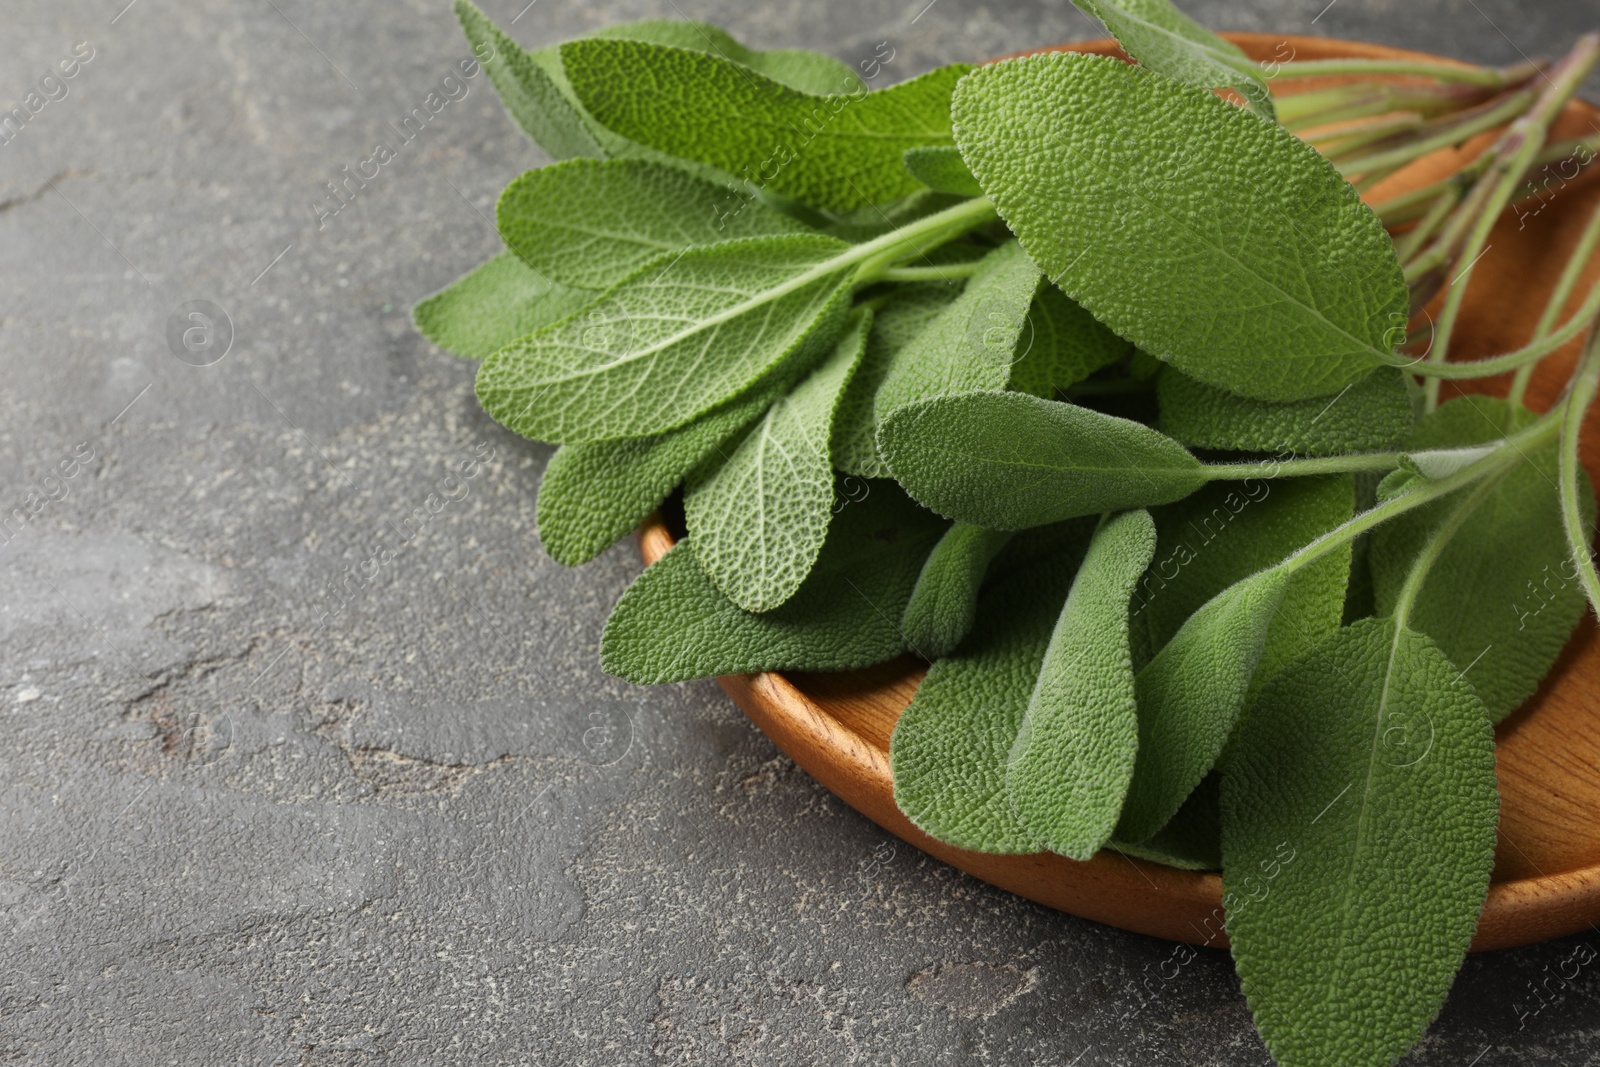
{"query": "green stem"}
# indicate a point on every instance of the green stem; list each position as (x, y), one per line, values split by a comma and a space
(1438, 539)
(1348, 137)
(1508, 453)
(1580, 395)
(1407, 246)
(1568, 281)
(1303, 468)
(944, 273)
(1440, 134)
(1517, 149)
(1323, 107)
(1488, 77)
(1510, 361)
(916, 238)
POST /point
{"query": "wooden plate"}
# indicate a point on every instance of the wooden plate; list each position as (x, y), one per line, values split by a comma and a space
(1547, 866)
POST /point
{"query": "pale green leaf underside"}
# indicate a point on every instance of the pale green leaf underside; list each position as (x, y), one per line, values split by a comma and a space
(676, 338)
(949, 748)
(1372, 415)
(672, 624)
(1213, 240)
(1167, 41)
(758, 515)
(493, 305)
(1502, 599)
(945, 601)
(531, 96)
(592, 494)
(905, 314)
(835, 152)
(590, 223)
(972, 344)
(1070, 765)
(1008, 461)
(1346, 954)
(942, 169)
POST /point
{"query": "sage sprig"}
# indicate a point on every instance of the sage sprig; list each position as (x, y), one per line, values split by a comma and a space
(1098, 386)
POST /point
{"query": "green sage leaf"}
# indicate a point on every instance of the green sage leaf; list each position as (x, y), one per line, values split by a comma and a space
(590, 223)
(945, 601)
(493, 305)
(758, 515)
(672, 624)
(1358, 833)
(835, 152)
(1008, 461)
(972, 344)
(941, 168)
(676, 338)
(1070, 765)
(949, 748)
(1168, 42)
(1244, 259)
(1372, 415)
(591, 494)
(1062, 345)
(904, 314)
(1502, 597)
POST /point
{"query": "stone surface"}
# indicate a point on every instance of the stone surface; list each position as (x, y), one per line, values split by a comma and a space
(247, 820)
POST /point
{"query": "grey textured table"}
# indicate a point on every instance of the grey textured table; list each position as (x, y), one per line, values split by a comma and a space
(247, 820)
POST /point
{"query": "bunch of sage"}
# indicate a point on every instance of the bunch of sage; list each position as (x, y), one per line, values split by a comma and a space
(1092, 382)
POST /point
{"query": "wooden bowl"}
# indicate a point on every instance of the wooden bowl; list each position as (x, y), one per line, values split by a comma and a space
(1547, 866)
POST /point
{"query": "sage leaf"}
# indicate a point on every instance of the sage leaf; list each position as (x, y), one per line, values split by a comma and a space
(493, 305)
(835, 152)
(1221, 544)
(590, 223)
(674, 339)
(531, 96)
(1372, 415)
(1502, 597)
(941, 169)
(949, 748)
(1062, 344)
(592, 494)
(1353, 882)
(903, 314)
(1168, 42)
(972, 344)
(1229, 531)
(1073, 757)
(758, 516)
(945, 601)
(672, 624)
(1008, 461)
(1244, 259)
(798, 68)
(1192, 839)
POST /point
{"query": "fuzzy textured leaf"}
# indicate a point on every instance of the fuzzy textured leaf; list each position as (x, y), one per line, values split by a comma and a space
(1168, 42)
(1008, 461)
(590, 223)
(1070, 765)
(837, 151)
(949, 748)
(1215, 241)
(1372, 415)
(902, 316)
(941, 169)
(493, 305)
(592, 494)
(676, 338)
(1062, 344)
(1347, 948)
(672, 624)
(973, 343)
(758, 517)
(1503, 597)
(945, 601)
